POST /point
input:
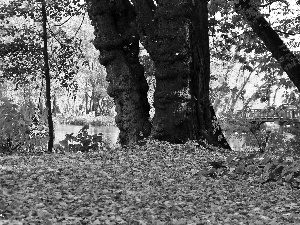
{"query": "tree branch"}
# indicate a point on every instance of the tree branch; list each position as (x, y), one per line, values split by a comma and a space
(69, 17)
(270, 3)
(271, 39)
(79, 26)
(282, 32)
(252, 98)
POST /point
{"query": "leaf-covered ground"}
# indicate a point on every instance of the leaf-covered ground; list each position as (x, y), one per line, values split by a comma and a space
(157, 183)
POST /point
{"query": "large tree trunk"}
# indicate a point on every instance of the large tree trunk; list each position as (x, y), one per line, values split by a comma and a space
(175, 33)
(271, 39)
(164, 36)
(201, 73)
(118, 43)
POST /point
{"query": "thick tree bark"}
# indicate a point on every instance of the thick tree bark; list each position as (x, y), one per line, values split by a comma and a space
(201, 73)
(164, 32)
(175, 34)
(271, 39)
(47, 78)
(118, 42)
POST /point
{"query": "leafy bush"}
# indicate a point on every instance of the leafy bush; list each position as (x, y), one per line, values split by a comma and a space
(17, 132)
(263, 168)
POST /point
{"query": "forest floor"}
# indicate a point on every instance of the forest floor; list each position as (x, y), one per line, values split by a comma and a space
(156, 183)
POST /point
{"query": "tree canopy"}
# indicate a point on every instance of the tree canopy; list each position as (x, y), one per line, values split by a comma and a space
(234, 41)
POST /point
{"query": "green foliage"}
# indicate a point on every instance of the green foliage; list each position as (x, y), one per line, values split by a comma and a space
(96, 97)
(21, 42)
(235, 43)
(14, 128)
(17, 132)
(82, 142)
(263, 169)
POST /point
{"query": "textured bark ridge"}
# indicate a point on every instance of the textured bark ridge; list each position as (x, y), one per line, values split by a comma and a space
(118, 42)
(271, 39)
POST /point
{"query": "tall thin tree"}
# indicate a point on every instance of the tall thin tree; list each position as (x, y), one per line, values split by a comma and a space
(47, 77)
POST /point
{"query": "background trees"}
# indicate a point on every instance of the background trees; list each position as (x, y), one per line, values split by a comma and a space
(232, 41)
(232, 44)
(21, 48)
(240, 44)
(288, 61)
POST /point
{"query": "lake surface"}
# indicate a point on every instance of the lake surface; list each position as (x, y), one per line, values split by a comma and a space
(237, 143)
(109, 132)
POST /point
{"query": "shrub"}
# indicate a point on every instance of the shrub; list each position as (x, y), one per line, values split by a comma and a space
(82, 142)
(17, 132)
(261, 168)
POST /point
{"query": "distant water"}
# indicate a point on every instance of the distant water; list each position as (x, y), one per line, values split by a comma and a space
(111, 133)
(237, 143)
(242, 142)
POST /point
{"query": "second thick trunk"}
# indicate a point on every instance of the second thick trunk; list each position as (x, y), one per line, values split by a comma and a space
(176, 37)
(118, 42)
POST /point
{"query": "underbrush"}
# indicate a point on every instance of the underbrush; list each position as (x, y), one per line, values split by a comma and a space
(23, 131)
(20, 128)
(82, 142)
(148, 183)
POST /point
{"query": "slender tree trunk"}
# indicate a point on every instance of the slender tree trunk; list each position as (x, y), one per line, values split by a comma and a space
(55, 107)
(1, 89)
(271, 39)
(90, 104)
(40, 103)
(93, 100)
(118, 42)
(86, 103)
(47, 78)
